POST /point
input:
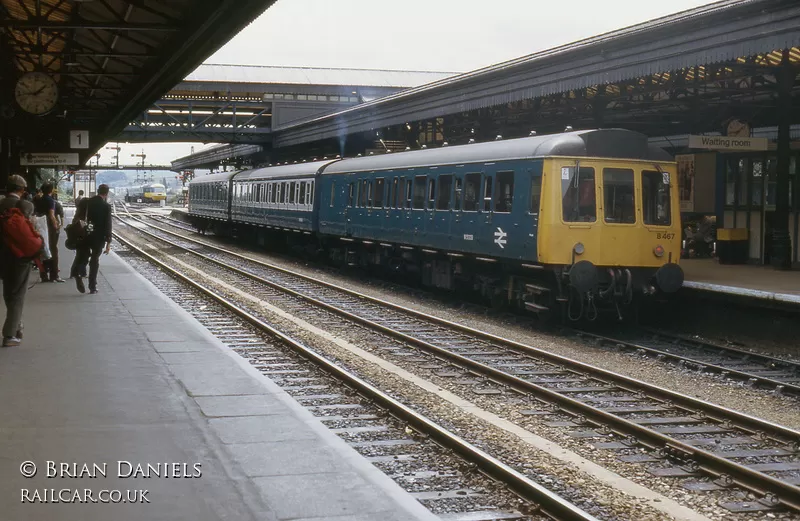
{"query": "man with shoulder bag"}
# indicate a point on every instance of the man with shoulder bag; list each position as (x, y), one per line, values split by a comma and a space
(96, 233)
(20, 244)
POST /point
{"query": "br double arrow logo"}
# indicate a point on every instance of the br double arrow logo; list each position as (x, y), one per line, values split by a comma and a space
(500, 237)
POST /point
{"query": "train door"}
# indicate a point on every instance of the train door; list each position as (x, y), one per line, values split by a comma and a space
(506, 223)
(352, 201)
(618, 216)
(378, 219)
(441, 213)
(484, 223)
(467, 203)
(568, 228)
(394, 205)
(418, 199)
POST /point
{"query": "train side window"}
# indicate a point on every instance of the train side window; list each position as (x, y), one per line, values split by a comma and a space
(419, 192)
(504, 192)
(380, 185)
(579, 198)
(409, 192)
(536, 194)
(370, 193)
(472, 187)
(656, 200)
(445, 187)
(311, 193)
(487, 194)
(292, 192)
(431, 193)
(618, 196)
(302, 193)
(457, 193)
(351, 195)
(333, 192)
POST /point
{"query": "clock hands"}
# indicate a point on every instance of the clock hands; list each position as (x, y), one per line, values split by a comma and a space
(34, 93)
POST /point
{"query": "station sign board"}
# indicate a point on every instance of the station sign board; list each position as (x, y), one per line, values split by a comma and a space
(78, 139)
(49, 159)
(728, 143)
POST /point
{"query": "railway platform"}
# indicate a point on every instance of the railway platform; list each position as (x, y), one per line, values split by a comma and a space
(124, 391)
(759, 283)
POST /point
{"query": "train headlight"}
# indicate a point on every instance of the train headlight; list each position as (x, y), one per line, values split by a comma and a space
(578, 248)
(658, 251)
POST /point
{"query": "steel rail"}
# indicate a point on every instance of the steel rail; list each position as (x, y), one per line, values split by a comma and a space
(710, 345)
(699, 364)
(549, 503)
(710, 463)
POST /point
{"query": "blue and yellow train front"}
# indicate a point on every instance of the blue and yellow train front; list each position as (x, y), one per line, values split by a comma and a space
(610, 230)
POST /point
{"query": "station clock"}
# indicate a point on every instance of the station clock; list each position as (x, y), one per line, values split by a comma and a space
(36, 93)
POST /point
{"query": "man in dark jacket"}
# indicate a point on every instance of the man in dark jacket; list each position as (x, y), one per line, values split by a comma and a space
(97, 213)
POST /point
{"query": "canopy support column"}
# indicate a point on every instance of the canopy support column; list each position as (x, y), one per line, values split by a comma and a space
(781, 255)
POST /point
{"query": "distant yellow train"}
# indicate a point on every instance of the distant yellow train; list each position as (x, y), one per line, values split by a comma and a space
(149, 193)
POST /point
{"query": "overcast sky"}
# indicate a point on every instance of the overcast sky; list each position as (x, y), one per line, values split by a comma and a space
(435, 35)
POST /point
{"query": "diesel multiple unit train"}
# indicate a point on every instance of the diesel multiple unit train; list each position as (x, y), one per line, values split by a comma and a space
(570, 223)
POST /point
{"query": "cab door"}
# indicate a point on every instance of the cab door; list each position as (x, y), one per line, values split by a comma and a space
(569, 212)
(618, 215)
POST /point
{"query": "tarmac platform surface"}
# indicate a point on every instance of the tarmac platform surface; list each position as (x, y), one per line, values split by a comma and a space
(126, 378)
(759, 282)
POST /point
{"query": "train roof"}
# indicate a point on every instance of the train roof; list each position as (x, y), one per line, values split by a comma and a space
(284, 171)
(212, 178)
(610, 143)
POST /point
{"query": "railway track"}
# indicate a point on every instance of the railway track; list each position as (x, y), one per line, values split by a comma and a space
(755, 369)
(715, 448)
(436, 466)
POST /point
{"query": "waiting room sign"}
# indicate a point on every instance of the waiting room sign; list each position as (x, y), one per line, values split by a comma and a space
(728, 143)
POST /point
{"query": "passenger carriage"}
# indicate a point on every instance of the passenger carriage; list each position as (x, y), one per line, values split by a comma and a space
(209, 203)
(279, 198)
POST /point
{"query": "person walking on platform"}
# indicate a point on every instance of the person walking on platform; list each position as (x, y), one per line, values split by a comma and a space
(61, 221)
(79, 198)
(97, 214)
(15, 271)
(47, 207)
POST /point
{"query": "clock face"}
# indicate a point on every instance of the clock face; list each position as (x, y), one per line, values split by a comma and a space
(36, 93)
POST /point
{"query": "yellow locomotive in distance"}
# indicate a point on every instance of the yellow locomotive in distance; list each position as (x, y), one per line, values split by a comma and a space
(149, 193)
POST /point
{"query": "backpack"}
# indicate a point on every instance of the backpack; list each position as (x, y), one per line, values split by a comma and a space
(78, 230)
(19, 235)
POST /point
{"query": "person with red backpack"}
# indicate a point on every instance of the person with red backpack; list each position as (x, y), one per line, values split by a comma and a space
(20, 243)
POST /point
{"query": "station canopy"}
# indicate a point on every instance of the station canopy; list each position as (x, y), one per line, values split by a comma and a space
(109, 60)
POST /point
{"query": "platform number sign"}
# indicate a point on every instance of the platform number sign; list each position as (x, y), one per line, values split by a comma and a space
(78, 139)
